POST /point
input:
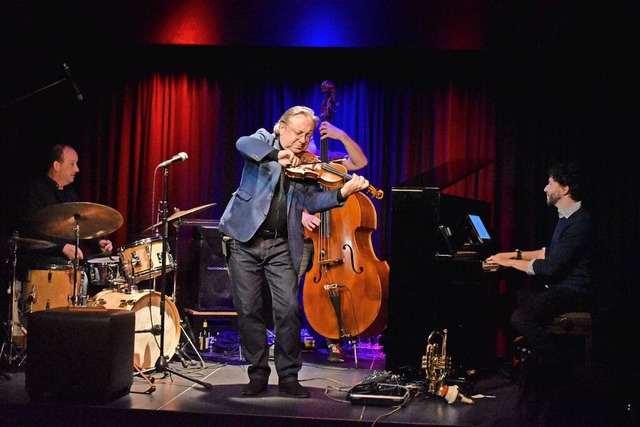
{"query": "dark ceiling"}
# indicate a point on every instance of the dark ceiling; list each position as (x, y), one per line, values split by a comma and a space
(39, 35)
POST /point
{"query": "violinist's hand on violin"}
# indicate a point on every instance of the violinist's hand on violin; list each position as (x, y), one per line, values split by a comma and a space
(288, 158)
(355, 184)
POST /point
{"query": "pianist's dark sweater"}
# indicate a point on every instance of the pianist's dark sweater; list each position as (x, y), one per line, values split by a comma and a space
(568, 261)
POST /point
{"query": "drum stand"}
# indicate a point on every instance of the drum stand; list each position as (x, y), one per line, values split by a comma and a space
(9, 350)
(162, 364)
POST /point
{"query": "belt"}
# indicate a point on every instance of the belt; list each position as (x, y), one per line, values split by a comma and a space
(270, 234)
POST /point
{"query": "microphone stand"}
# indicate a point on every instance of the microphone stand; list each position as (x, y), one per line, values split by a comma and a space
(162, 364)
(30, 94)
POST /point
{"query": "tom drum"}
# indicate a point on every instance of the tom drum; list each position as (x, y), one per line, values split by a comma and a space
(146, 306)
(142, 259)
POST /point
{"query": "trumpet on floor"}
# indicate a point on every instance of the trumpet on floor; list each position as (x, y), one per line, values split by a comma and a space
(437, 366)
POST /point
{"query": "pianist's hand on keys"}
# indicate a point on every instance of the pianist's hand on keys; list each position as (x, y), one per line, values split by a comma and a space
(490, 266)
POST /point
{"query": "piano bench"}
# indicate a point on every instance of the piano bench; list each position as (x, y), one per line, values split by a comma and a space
(575, 324)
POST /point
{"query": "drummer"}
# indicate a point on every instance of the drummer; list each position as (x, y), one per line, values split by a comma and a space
(55, 186)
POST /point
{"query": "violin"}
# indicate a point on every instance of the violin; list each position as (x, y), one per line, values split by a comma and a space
(331, 175)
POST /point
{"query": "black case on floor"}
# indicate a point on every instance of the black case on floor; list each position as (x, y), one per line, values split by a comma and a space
(80, 354)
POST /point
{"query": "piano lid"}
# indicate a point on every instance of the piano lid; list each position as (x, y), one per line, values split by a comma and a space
(447, 174)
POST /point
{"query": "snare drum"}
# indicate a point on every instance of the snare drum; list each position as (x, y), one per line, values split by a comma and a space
(146, 306)
(103, 271)
(48, 288)
(142, 260)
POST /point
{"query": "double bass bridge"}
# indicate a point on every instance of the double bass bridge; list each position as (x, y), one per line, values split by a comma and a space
(330, 262)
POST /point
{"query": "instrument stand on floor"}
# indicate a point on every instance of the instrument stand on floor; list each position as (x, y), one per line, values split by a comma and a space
(354, 344)
(162, 364)
(9, 350)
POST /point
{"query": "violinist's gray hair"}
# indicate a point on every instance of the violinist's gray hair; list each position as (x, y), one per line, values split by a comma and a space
(294, 111)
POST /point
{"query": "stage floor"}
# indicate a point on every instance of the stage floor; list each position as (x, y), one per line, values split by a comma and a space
(497, 401)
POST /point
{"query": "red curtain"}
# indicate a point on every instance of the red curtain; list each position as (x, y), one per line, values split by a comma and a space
(405, 131)
(139, 125)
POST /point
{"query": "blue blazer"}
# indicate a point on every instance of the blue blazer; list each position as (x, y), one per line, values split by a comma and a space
(249, 204)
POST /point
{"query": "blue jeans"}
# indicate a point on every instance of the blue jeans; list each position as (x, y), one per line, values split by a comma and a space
(252, 266)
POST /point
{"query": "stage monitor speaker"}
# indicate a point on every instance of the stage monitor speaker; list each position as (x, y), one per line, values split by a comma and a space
(80, 354)
(203, 276)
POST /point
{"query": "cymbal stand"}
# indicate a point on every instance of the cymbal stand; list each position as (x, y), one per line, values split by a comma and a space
(162, 364)
(9, 351)
(188, 335)
(77, 298)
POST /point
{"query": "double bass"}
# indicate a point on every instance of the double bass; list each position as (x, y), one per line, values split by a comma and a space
(345, 291)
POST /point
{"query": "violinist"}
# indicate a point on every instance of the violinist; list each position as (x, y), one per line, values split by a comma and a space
(263, 235)
(353, 159)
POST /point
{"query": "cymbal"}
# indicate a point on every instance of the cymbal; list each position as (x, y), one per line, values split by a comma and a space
(93, 220)
(179, 215)
(26, 243)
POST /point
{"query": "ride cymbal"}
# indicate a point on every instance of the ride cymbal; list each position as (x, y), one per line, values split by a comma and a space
(92, 219)
(179, 215)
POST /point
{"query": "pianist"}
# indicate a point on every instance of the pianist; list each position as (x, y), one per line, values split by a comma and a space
(564, 266)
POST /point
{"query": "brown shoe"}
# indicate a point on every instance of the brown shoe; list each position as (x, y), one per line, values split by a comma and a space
(335, 354)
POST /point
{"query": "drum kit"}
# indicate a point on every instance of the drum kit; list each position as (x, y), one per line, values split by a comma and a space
(117, 276)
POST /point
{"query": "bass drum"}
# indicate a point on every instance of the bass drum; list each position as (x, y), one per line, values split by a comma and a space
(146, 306)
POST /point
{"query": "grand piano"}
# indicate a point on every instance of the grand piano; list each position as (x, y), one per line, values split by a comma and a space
(431, 288)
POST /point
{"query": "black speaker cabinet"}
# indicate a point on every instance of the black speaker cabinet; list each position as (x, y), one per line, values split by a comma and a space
(203, 277)
(80, 354)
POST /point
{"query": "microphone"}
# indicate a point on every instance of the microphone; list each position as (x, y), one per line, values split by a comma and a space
(154, 330)
(180, 157)
(76, 88)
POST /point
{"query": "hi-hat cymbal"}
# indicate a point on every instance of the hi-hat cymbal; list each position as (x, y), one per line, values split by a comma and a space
(26, 243)
(93, 220)
(179, 215)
